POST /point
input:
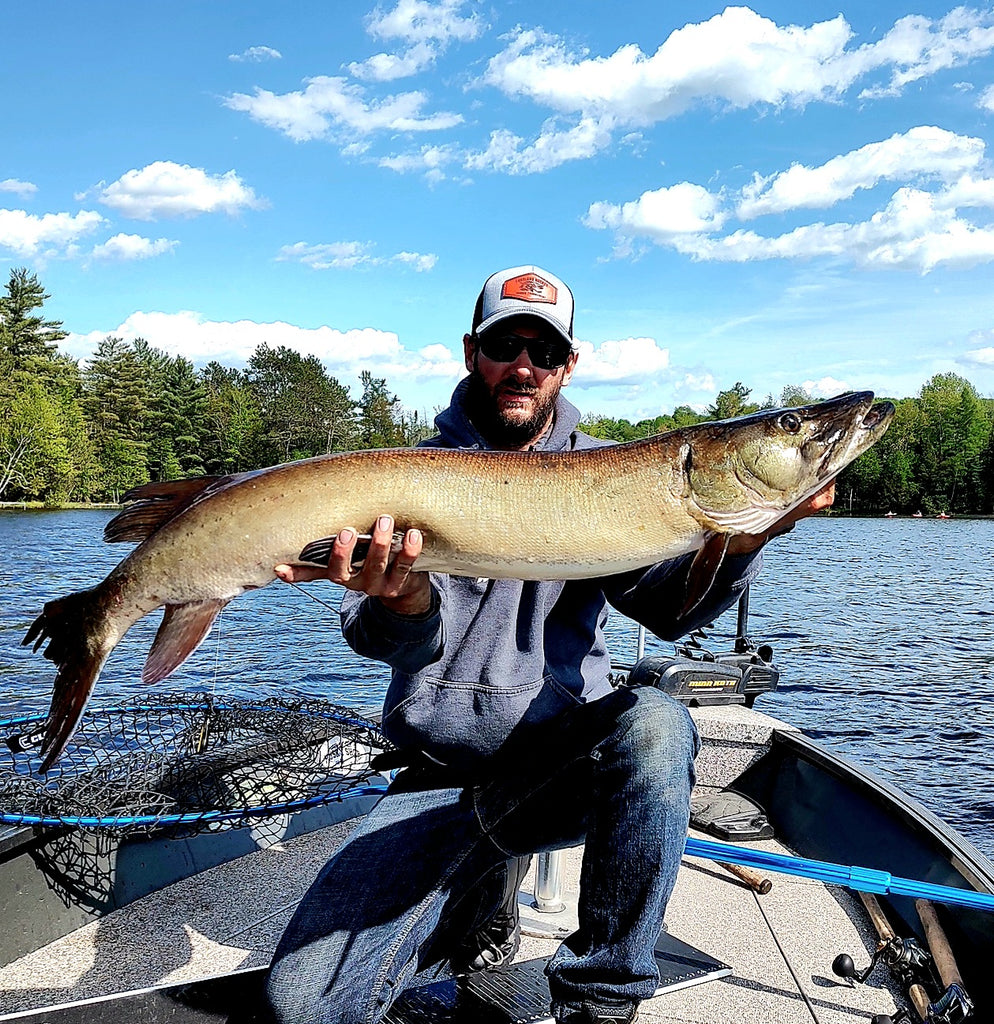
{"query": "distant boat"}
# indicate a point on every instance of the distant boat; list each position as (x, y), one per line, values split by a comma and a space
(916, 515)
(890, 515)
(942, 515)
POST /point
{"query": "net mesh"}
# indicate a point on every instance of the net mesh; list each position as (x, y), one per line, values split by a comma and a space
(187, 760)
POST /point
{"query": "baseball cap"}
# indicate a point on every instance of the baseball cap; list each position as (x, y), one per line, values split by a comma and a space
(525, 291)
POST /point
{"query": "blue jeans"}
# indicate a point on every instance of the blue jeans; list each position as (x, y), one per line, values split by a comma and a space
(406, 886)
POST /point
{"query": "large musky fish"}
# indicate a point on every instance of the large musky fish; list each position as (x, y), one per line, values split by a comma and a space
(519, 515)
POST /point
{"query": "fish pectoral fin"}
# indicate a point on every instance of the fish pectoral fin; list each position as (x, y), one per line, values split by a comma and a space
(182, 631)
(319, 551)
(704, 570)
(152, 505)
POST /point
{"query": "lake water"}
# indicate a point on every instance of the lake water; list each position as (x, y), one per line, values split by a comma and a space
(883, 630)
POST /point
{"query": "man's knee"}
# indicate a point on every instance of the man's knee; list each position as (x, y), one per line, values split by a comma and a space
(657, 733)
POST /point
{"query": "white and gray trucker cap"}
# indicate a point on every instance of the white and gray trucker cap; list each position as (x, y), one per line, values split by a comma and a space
(525, 291)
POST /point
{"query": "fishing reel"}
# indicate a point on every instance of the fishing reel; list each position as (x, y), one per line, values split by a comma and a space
(955, 1007)
(912, 964)
(905, 957)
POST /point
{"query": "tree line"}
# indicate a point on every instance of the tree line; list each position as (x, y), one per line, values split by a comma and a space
(133, 414)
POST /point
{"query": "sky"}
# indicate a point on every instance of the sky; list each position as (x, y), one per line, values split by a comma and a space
(781, 194)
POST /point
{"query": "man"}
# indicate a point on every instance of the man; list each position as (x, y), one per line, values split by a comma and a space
(514, 740)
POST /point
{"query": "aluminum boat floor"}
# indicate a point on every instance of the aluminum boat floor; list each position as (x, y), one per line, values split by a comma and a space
(780, 945)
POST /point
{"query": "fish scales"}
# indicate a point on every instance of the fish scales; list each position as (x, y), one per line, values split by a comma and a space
(534, 515)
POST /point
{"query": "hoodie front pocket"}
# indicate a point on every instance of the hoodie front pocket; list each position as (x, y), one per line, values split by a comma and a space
(463, 723)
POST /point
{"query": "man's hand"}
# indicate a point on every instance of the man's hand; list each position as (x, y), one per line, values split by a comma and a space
(391, 581)
(746, 543)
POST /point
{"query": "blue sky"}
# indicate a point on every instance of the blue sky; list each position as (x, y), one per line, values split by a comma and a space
(779, 194)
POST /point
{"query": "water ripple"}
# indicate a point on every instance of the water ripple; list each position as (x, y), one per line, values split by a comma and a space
(883, 631)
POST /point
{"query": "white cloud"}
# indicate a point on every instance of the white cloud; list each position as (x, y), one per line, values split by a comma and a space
(327, 256)
(734, 60)
(983, 355)
(737, 57)
(417, 21)
(625, 361)
(429, 160)
(51, 234)
(921, 152)
(19, 188)
(554, 146)
(662, 213)
(427, 28)
(167, 189)
(256, 54)
(986, 99)
(345, 353)
(418, 260)
(132, 247)
(916, 230)
(328, 104)
(912, 233)
(349, 255)
(917, 47)
(825, 387)
(980, 356)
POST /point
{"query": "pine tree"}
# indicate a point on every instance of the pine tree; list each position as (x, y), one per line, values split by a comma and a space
(22, 334)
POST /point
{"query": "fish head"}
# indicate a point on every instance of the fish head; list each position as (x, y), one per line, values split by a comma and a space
(744, 474)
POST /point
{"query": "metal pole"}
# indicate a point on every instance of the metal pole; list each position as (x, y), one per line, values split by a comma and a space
(742, 624)
(549, 882)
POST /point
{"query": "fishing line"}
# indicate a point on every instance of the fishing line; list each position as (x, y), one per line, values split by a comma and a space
(313, 597)
(217, 649)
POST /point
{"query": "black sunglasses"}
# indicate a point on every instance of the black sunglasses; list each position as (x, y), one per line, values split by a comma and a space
(544, 353)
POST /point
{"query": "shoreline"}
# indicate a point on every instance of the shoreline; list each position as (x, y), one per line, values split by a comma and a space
(40, 506)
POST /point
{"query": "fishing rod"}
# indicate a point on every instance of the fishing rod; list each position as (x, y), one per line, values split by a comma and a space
(856, 878)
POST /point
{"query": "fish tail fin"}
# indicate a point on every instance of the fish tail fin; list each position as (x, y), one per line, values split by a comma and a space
(77, 635)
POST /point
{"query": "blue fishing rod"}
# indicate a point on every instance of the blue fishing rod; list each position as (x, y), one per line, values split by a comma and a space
(859, 879)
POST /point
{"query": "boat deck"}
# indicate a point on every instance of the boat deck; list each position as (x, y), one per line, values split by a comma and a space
(780, 945)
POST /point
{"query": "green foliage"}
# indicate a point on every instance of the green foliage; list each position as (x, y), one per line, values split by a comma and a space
(379, 423)
(304, 411)
(731, 403)
(24, 335)
(232, 420)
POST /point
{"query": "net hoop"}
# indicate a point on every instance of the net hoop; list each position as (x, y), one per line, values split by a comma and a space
(188, 761)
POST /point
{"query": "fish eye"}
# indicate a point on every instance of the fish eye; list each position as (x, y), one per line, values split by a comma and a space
(790, 422)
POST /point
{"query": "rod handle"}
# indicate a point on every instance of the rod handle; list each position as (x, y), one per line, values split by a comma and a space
(942, 952)
(754, 879)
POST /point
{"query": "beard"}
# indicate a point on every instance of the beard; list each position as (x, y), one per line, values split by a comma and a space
(498, 427)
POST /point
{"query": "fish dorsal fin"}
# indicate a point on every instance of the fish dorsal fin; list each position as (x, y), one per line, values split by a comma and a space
(182, 631)
(704, 569)
(152, 505)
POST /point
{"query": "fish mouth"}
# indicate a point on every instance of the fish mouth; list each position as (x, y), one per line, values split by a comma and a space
(877, 415)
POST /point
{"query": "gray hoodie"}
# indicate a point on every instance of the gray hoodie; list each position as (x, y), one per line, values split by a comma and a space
(496, 657)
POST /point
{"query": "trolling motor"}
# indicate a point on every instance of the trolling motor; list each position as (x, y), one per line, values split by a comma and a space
(699, 677)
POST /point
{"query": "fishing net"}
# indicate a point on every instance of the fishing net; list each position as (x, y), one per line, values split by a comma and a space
(190, 762)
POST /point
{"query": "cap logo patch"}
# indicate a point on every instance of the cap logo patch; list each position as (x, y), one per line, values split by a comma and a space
(529, 288)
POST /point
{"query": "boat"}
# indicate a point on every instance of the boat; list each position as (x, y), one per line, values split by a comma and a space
(942, 515)
(890, 515)
(180, 927)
